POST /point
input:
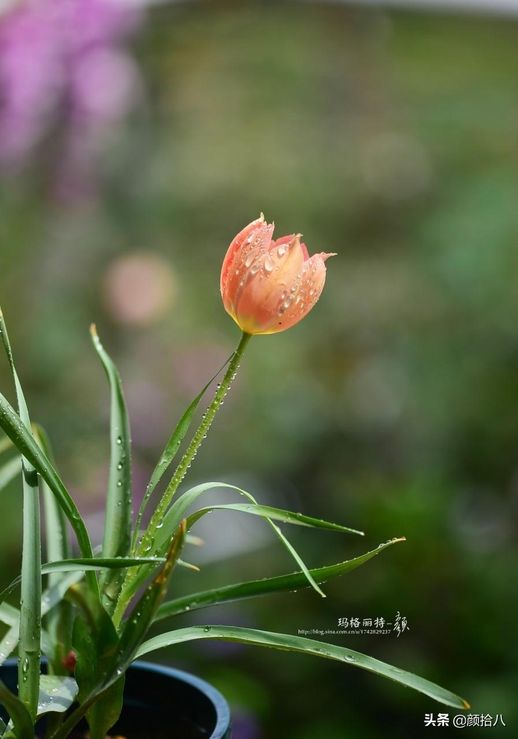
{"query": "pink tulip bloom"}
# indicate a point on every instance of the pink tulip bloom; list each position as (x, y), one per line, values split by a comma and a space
(268, 286)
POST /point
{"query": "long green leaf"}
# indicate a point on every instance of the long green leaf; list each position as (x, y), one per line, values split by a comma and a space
(171, 449)
(57, 545)
(254, 588)
(54, 594)
(95, 642)
(9, 614)
(9, 470)
(136, 627)
(99, 563)
(106, 710)
(59, 620)
(117, 525)
(187, 565)
(179, 508)
(9, 642)
(99, 680)
(10, 422)
(270, 514)
(57, 693)
(291, 643)
(276, 514)
(49, 599)
(88, 564)
(19, 715)
(30, 602)
(177, 512)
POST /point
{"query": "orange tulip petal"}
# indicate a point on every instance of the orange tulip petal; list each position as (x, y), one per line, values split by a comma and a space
(268, 286)
(304, 293)
(248, 245)
(265, 289)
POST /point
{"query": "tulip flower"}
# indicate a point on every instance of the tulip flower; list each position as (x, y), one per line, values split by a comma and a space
(268, 286)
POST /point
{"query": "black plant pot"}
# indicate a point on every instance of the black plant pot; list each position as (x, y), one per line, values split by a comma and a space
(161, 703)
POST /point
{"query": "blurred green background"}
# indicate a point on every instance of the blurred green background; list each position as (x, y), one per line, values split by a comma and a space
(390, 138)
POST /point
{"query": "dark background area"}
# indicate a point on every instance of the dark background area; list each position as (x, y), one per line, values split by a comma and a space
(388, 137)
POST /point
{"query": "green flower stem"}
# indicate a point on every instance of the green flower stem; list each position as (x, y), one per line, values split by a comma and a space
(195, 443)
(30, 603)
(148, 539)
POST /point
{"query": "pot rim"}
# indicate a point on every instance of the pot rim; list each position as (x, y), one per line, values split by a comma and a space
(221, 707)
(220, 704)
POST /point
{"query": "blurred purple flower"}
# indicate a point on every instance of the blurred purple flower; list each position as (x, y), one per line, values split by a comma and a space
(63, 61)
(244, 725)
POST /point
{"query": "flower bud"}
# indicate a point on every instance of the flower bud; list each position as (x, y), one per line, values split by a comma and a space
(268, 286)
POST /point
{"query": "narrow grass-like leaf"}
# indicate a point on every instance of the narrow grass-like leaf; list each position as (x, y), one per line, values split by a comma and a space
(136, 627)
(95, 642)
(9, 470)
(88, 564)
(57, 545)
(276, 514)
(267, 512)
(106, 710)
(27, 446)
(171, 449)
(264, 586)
(171, 522)
(117, 525)
(270, 514)
(9, 642)
(54, 594)
(292, 643)
(11, 616)
(18, 714)
(178, 511)
(30, 601)
(196, 541)
(59, 620)
(188, 565)
(57, 693)
(99, 563)
(101, 682)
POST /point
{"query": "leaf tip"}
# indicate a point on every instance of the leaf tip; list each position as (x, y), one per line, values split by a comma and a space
(93, 331)
(465, 704)
(318, 589)
(196, 541)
